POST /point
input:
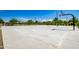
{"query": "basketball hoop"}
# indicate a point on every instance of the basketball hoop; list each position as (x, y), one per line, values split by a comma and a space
(62, 14)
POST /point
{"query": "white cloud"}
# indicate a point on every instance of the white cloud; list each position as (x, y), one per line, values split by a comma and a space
(23, 19)
(46, 20)
(50, 19)
(26, 19)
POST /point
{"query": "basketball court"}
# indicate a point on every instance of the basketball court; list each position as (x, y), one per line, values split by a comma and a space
(40, 37)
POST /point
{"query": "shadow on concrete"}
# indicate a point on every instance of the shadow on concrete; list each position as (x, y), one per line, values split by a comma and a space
(62, 29)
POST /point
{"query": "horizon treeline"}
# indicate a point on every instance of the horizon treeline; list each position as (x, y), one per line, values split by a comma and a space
(54, 21)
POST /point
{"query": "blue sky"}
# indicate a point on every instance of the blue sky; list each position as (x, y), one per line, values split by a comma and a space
(40, 15)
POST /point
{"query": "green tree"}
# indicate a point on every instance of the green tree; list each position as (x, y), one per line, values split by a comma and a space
(70, 22)
(29, 22)
(60, 22)
(1, 21)
(65, 22)
(36, 22)
(13, 21)
(48, 23)
(55, 21)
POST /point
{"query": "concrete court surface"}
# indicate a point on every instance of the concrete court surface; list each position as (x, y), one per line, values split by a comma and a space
(40, 37)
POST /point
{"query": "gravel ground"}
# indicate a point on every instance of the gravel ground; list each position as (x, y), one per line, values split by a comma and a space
(40, 36)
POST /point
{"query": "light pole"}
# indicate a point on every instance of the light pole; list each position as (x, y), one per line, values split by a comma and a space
(73, 17)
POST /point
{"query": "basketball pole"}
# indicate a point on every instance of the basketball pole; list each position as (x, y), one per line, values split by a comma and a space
(73, 17)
